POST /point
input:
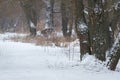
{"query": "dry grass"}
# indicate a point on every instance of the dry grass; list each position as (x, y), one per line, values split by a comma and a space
(43, 41)
(40, 25)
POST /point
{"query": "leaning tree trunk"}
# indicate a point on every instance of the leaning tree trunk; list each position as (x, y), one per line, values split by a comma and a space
(115, 54)
(31, 15)
(115, 50)
(111, 22)
(81, 28)
(115, 20)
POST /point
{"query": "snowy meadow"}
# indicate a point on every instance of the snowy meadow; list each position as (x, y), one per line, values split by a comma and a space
(26, 61)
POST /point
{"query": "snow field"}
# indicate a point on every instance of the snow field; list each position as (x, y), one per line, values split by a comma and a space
(24, 61)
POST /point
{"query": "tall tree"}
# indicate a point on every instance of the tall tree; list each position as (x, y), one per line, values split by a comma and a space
(49, 13)
(98, 27)
(67, 17)
(81, 28)
(31, 15)
(115, 49)
(115, 54)
(49, 25)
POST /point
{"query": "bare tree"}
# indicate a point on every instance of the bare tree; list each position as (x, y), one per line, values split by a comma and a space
(98, 27)
(67, 17)
(115, 49)
(31, 15)
(49, 25)
(49, 13)
(81, 28)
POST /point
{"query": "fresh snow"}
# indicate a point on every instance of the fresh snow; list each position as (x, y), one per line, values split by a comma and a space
(110, 29)
(115, 44)
(32, 24)
(83, 27)
(7, 36)
(25, 61)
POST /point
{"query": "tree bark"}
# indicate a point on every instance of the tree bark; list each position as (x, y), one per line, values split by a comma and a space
(49, 25)
(115, 50)
(49, 14)
(115, 54)
(98, 28)
(81, 28)
(31, 15)
(67, 17)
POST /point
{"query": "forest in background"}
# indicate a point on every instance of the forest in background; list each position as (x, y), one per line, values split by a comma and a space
(96, 23)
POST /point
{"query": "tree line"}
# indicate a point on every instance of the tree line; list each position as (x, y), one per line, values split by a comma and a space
(96, 22)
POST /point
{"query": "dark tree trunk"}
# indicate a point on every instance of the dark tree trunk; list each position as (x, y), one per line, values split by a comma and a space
(98, 28)
(115, 55)
(115, 20)
(81, 28)
(31, 15)
(115, 50)
(114, 60)
(67, 17)
(49, 25)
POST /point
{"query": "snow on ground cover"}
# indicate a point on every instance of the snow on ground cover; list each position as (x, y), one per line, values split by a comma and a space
(23, 61)
(8, 35)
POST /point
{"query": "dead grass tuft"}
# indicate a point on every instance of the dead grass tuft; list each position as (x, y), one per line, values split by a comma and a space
(44, 41)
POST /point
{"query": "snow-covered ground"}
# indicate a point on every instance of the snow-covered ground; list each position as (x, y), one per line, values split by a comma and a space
(25, 61)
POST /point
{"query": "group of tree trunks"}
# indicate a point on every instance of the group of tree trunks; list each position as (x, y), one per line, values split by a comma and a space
(94, 25)
(66, 14)
(98, 38)
(97, 24)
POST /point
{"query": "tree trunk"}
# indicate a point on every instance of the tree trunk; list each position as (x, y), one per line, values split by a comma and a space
(49, 14)
(81, 28)
(115, 54)
(67, 17)
(114, 60)
(115, 50)
(98, 28)
(31, 15)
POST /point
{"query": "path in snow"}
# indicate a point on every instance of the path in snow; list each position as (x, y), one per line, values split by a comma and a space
(21, 61)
